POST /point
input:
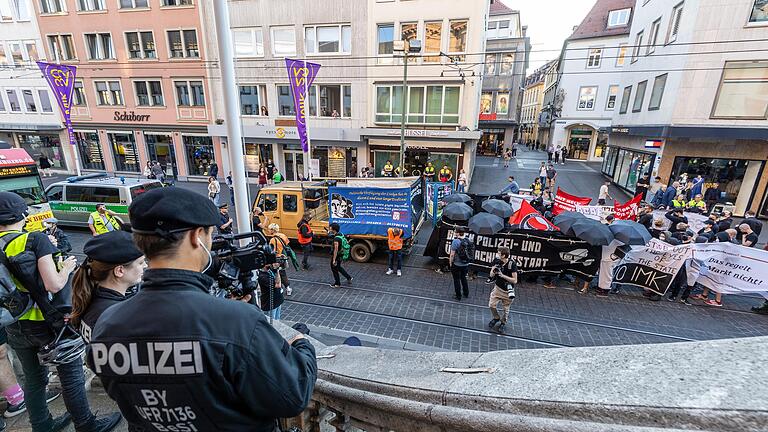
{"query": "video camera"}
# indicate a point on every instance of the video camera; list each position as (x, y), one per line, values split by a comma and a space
(233, 265)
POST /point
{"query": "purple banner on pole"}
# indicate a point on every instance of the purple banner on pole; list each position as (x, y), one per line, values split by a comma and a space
(301, 74)
(61, 79)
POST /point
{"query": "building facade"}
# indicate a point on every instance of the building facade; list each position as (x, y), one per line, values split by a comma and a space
(704, 109)
(533, 99)
(506, 61)
(29, 116)
(551, 105)
(591, 63)
(142, 90)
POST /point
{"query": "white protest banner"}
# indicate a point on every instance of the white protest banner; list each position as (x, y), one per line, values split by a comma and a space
(732, 269)
(651, 268)
(695, 220)
(594, 212)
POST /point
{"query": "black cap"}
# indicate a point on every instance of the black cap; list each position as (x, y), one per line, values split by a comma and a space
(13, 208)
(171, 210)
(114, 247)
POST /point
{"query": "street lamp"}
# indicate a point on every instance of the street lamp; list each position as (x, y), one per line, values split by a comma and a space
(405, 47)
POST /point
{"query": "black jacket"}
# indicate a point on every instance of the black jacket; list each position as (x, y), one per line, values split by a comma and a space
(724, 224)
(196, 362)
(754, 223)
(102, 299)
(62, 241)
(675, 220)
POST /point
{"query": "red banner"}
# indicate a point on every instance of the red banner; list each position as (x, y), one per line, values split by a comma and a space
(567, 202)
(627, 211)
(528, 218)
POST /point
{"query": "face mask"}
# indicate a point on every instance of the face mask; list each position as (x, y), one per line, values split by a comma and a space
(208, 252)
(498, 256)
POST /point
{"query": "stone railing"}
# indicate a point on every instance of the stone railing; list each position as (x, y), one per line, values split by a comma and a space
(703, 386)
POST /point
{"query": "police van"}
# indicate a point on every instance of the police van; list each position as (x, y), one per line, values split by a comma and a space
(73, 200)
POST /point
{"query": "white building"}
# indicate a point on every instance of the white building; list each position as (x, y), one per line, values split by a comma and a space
(695, 100)
(590, 71)
(29, 116)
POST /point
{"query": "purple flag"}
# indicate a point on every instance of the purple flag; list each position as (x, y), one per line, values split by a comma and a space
(61, 78)
(301, 74)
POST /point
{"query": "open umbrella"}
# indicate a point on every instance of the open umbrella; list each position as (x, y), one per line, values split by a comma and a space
(457, 197)
(458, 211)
(498, 207)
(486, 224)
(592, 232)
(630, 232)
(566, 219)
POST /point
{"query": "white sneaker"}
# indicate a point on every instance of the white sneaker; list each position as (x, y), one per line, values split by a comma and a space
(288, 290)
(389, 271)
(399, 273)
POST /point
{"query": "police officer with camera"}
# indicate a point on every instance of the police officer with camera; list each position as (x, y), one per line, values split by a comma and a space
(175, 358)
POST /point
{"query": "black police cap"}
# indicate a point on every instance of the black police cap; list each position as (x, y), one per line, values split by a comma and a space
(171, 210)
(114, 247)
(13, 208)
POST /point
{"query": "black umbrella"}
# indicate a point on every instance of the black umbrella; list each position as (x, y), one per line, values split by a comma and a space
(566, 219)
(592, 232)
(630, 232)
(457, 197)
(458, 211)
(486, 223)
(498, 207)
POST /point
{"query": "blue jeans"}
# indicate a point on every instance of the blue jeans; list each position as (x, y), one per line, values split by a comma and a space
(459, 187)
(391, 259)
(26, 339)
(275, 313)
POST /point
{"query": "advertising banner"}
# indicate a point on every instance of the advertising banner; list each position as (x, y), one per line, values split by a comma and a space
(436, 191)
(628, 210)
(61, 79)
(650, 268)
(301, 74)
(567, 202)
(370, 210)
(417, 201)
(535, 252)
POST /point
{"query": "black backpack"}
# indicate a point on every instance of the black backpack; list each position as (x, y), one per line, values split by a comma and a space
(466, 250)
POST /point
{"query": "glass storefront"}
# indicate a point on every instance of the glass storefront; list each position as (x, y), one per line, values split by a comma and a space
(735, 178)
(44, 144)
(491, 142)
(294, 165)
(124, 152)
(336, 162)
(256, 156)
(609, 161)
(628, 166)
(160, 149)
(579, 141)
(89, 150)
(416, 160)
(200, 154)
(601, 144)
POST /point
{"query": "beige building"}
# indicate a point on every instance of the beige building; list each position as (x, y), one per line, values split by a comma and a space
(533, 99)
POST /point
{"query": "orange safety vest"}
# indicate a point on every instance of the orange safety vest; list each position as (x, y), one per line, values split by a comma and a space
(305, 240)
(395, 241)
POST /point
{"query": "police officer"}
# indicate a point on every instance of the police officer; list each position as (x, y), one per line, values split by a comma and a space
(102, 220)
(175, 358)
(388, 169)
(37, 327)
(429, 172)
(445, 174)
(113, 265)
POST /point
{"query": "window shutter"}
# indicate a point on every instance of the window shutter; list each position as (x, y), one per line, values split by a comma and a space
(678, 16)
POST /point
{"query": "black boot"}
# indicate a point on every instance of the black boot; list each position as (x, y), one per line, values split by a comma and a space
(60, 423)
(493, 323)
(105, 424)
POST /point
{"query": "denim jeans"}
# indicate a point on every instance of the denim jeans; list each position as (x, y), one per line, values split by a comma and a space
(26, 339)
(391, 259)
(459, 187)
(460, 282)
(275, 313)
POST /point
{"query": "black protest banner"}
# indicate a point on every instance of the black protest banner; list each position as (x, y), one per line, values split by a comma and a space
(535, 252)
(650, 267)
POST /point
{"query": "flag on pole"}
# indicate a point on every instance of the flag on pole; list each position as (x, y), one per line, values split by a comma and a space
(61, 79)
(301, 75)
(628, 210)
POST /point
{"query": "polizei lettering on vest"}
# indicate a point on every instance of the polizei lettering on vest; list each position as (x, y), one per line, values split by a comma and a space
(130, 117)
(148, 358)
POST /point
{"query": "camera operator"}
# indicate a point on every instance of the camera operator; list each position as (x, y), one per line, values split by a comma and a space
(112, 266)
(37, 328)
(215, 363)
(504, 276)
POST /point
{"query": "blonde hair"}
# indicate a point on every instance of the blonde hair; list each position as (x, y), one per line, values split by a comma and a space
(274, 227)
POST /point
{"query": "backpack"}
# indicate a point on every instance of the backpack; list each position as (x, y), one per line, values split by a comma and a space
(466, 250)
(344, 247)
(13, 302)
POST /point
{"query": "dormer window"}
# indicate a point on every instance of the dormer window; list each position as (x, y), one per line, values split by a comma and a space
(619, 17)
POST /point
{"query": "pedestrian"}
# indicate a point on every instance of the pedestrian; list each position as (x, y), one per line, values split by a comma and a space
(305, 235)
(462, 253)
(551, 176)
(603, 195)
(558, 149)
(58, 238)
(259, 220)
(445, 175)
(213, 170)
(271, 296)
(395, 244)
(279, 243)
(212, 346)
(277, 178)
(262, 177)
(45, 165)
(340, 253)
(214, 189)
(158, 172)
(697, 185)
(30, 260)
(642, 185)
(550, 152)
(231, 186)
(102, 220)
(507, 157)
(225, 221)
(461, 184)
(270, 171)
(543, 173)
(504, 277)
(514, 149)
(512, 187)
(563, 154)
(148, 171)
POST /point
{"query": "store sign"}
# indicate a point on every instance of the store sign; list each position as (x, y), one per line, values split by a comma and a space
(416, 133)
(282, 133)
(487, 117)
(13, 157)
(619, 130)
(15, 171)
(654, 144)
(126, 116)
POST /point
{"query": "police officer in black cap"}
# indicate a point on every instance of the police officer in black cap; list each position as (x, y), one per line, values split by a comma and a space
(177, 359)
(113, 266)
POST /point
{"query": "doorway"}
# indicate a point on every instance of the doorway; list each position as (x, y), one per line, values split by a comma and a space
(294, 165)
(579, 141)
(160, 148)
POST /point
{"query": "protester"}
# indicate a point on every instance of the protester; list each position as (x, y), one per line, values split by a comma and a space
(681, 282)
(697, 205)
(543, 173)
(461, 254)
(305, 236)
(214, 189)
(461, 184)
(753, 222)
(657, 199)
(537, 186)
(395, 245)
(225, 221)
(551, 176)
(340, 253)
(603, 194)
(102, 220)
(279, 243)
(512, 187)
(271, 296)
(57, 237)
(546, 194)
(712, 195)
(507, 157)
(708, 231)
(657, 229)
(504, 276)
(646, 216)
(679, 202)
(724, 221)
(669, 195)
(748, 237)
(726, 236)
(642, 185)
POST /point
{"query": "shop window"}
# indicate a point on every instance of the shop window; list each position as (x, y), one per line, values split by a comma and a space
(625, 99)
(248, 42)
(200, 154)
(735, 178)
(380, 159)
(89, 149)
(44, 144)
(637, 105)
(285, 101)
(743, 91)
(290, 203)
(333, 39)
(601, 144)
(609, 161)
(256, 157)
(283, 41)
(141, 45)
(658, 92)
(759, 12)
(160, 148)
(124, 151)
(587, 97)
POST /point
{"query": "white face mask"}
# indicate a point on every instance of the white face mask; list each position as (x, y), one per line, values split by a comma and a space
(208, 252)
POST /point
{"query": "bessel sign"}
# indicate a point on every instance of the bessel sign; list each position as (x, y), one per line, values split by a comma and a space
(126, 116)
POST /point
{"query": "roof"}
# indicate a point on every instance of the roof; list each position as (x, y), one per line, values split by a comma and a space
(499, 8)
(595, 24)
(539, 74)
